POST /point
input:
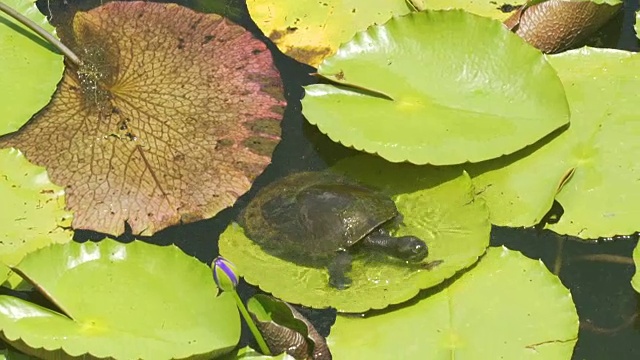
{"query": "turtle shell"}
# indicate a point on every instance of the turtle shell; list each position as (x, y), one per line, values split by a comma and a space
(309, 216)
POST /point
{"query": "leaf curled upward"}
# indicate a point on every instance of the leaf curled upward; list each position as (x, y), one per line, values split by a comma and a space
(169, 120)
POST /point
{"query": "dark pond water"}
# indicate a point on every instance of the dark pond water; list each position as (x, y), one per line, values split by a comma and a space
(607, 305)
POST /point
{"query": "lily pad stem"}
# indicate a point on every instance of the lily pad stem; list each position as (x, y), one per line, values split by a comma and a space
(42, 32)
(252, 326)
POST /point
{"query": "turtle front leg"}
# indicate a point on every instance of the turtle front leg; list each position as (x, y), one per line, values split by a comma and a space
(338, 268)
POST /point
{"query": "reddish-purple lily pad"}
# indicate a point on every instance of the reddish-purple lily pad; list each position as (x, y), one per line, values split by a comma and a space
(169, 119)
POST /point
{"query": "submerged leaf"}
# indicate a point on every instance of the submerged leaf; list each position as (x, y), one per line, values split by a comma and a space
(121, 301)
(170, 119)
(29, 70)
(505, 307)
(437, 205)
(311, 30)
(32, 214)
(449, 87)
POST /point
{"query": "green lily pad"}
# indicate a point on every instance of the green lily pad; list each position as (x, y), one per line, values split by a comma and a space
(437, 205)
(123, 301)
(591, 168)
(506, 307)
(430, 101)
(311, 30)
(33, 212)
(30, 67)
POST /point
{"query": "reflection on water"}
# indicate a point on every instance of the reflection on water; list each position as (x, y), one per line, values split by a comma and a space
(601, 290)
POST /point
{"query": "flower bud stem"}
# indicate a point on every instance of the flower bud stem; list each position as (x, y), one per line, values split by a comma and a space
(252, 326)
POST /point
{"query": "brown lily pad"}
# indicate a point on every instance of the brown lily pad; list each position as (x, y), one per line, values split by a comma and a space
(169, 119)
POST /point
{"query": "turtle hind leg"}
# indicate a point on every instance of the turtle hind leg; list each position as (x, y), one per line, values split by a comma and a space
(338, 268)
(408, 248)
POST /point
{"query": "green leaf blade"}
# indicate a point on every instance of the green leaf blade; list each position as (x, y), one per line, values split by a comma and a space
(170, 309)
(489, 95)
(30, 67)
(507, 306)
(599, 151)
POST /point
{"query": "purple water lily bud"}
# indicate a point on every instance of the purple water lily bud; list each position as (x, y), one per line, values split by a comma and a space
(224, 274)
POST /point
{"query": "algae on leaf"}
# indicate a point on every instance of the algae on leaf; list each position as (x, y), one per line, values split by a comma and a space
(29, 67)
(33, 211)
(169, 120)
(437, 205)
(122, 301)
(311, 30)
(437, 87)
(505, 307)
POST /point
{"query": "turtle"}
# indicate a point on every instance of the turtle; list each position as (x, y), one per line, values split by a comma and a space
(316, 217)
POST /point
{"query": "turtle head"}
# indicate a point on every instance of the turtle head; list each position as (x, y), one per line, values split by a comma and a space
(411, 248)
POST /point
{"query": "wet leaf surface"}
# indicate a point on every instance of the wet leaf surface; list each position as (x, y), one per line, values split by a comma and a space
(169, 120)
